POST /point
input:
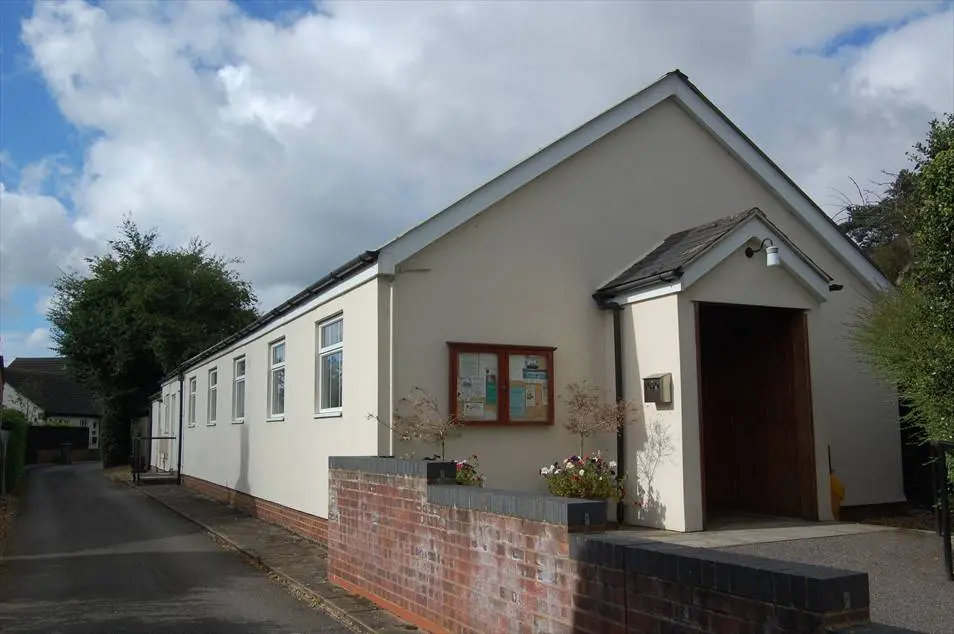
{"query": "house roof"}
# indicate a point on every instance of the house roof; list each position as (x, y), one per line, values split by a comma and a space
(676, 86)
(46, 382)
(344, 272)
(667, 261)
(684, 257)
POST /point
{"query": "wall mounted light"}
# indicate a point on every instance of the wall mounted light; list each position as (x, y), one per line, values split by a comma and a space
(771, 252)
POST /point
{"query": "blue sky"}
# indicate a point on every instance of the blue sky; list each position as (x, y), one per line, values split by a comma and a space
(452, 96)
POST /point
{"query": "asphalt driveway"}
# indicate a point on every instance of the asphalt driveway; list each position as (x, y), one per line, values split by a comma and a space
(90, 555)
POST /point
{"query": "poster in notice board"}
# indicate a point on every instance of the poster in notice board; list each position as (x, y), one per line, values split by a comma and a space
(529, 394)
(477, 386)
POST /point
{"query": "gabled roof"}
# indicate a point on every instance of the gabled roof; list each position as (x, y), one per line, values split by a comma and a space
(677, 87)
(686, 256)
(667, 261)
(47, 384)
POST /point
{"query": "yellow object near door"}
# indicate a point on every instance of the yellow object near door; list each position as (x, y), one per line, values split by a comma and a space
(837, 495)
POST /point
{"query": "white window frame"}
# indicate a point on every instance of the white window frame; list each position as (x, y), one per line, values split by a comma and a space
(212, 406)
(236, 379)
(193, 389)
(273, 368)
(324, 351)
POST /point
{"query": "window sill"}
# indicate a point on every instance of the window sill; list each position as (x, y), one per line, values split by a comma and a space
(238, 421)
(191, 424)
(212, 424)
(274, 419)
(332, 414)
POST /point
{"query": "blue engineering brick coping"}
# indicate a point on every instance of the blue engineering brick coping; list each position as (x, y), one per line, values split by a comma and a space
(444, 490)
(815, 589)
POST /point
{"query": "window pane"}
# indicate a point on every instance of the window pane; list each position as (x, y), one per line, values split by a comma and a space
(278, 392)
(239, 406)
(213, 378)
(331, 380)
(332, 333)
(213, 404)
(240, 368)
(192, 407)
(278, 353)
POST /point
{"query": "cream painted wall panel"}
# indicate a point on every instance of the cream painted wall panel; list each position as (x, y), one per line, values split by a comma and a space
(286, 461)
(656, 454)
(523, 272)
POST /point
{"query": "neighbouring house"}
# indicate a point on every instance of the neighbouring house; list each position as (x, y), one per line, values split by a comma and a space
(43, 389)
(654, 251)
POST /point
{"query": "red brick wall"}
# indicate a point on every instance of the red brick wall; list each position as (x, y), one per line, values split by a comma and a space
(460, 570)
(446, 569)
(308, 526)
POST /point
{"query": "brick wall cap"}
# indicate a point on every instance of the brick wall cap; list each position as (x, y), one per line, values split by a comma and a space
(548, 509)
(431, 470)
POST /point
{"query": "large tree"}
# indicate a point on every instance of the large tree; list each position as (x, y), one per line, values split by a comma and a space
(908, 333)
(140, 311)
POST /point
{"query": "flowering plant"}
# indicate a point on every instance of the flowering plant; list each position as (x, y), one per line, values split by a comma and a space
(468, 472)
(588, 477)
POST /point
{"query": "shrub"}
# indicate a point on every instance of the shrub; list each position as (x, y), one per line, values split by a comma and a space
(587, 477)
(16, 423)
(468, 472)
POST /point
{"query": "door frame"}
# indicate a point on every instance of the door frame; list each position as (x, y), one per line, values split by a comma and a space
(805, 423)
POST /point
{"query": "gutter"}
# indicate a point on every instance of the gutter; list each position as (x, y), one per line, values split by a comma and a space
(340, 274)
(604, 295)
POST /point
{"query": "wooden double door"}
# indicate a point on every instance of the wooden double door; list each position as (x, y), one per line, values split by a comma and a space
(756, 416)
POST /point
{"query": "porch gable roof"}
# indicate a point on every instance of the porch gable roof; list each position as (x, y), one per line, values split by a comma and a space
(685, 256)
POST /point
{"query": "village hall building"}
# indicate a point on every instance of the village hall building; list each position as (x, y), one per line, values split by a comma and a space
(654, 251)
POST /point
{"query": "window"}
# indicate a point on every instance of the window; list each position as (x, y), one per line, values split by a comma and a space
(328, 389)
(501, 384)
(238, 390)
(213, 395)
(193, 387)
(276, 379)
(164, 426)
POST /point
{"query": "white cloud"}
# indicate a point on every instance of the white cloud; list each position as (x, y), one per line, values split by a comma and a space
(33, 343)
(294, 146)
(37, 241)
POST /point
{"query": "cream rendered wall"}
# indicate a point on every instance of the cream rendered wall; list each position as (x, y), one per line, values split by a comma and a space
(286, 461)
(523, 271)
(654, 460)
(15, 400)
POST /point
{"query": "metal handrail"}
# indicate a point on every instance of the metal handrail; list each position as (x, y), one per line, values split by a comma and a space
(137, 440)
(942, 499)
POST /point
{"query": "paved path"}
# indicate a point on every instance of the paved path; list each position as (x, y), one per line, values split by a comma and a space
(90, 555)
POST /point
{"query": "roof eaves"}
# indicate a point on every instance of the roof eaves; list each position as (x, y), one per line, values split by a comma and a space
(332, 279)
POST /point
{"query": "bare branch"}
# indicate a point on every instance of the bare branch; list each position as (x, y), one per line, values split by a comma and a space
(418, 417)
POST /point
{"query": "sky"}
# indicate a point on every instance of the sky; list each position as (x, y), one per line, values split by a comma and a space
(294, 135)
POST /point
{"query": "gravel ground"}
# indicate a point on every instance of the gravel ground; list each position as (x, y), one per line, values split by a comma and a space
(905, 573)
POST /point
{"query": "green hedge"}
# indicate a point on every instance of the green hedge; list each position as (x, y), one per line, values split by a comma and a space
(16, 423)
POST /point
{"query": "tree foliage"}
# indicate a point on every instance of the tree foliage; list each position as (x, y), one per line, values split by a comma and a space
(140, 310)
(908, 333)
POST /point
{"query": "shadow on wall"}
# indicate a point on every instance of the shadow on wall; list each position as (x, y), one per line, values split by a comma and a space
(654, 447)
(241, 482)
